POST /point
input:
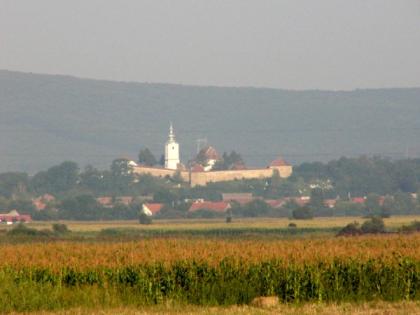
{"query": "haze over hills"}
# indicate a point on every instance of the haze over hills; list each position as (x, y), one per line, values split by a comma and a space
(46, 119)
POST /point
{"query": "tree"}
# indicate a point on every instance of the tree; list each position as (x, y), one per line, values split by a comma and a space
(228, 161)
(255, 208)
(317, 198)
(303, 213)
(372, 204)
(59, 178)
(147, 158)
(13, 183)
(144, 218)
(350, 229)
(374, 225)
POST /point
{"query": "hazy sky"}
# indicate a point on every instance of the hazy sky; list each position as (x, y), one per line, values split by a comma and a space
(323, 44)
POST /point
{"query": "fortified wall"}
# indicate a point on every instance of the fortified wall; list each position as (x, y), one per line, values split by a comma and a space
(203, 178)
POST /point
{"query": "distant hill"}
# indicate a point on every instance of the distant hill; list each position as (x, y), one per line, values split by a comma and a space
(45, 119)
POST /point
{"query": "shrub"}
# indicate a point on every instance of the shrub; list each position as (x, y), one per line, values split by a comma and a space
(413, 227)
(60, 228)
(145, 219)
(374, 225)
(22, 230)
(350, 230)
(302, 213)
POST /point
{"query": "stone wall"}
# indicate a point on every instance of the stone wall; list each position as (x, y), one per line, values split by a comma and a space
(202, 178)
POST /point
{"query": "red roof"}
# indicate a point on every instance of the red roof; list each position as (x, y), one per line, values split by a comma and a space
(330, 203)
(154, 207)
(218, 206)
(104, 201)
(14, 216)
(279, 162)
(360, 200)
(275, 203)
(210, 153)
(197, 168)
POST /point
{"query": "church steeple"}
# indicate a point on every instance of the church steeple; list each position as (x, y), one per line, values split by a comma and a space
(171, 150)
(171, 133)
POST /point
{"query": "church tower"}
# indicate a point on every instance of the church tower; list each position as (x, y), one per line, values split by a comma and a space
(171, 151)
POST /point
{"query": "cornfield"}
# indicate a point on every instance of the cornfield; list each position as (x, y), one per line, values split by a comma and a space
(208, 272)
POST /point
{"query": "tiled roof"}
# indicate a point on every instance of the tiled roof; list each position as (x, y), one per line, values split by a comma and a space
(210, 153)
(217, 206)
(279, 162)
(154, 208)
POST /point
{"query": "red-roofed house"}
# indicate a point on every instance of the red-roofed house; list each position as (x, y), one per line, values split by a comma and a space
(330, 203)
(216, 206)
(105, 201)
(358, 200)
(152, 208)
(14, 216)
(275, 203)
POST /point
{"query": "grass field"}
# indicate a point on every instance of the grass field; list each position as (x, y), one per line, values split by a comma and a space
(393, 222)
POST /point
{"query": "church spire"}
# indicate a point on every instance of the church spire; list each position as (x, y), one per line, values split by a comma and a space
(171, 133)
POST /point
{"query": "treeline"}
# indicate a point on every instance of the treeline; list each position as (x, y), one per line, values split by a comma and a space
(76, 190)
(363, 175)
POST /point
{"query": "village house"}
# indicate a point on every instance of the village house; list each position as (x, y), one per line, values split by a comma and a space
(216, 206)
(151, 209)
(41, 202)
(14, 217)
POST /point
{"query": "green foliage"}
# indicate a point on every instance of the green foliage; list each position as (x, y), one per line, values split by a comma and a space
(56, 179)
(193, 282)
(413, 227)
(146, 157)
(255, 208)
(374, 225)
(145, 219)
(60, 228)
(350, 229)
(302, 213)
(228, 161)
(21, 230)
(12, 184)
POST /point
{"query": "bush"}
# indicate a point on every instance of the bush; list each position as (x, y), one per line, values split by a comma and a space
(374, 225)
(350, 229)
(302, 213)
(413, 227)
(22, 230)
(59, 228)
(145, 219)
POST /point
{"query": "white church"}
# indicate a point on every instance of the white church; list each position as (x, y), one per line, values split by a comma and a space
(171, 151)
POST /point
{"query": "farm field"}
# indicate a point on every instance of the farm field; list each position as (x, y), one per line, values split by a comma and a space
(372, 308)
(238, 223)
(205, 267)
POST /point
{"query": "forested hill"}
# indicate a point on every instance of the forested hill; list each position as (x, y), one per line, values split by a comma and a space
(46, 119)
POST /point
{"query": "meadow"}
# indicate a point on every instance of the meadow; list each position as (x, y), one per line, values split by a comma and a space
(91, 270)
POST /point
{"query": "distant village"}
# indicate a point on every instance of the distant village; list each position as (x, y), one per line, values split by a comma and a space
(209, 167)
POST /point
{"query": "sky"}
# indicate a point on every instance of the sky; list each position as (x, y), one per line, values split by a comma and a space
(289, 44)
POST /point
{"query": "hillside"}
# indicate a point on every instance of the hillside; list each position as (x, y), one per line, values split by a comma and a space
(45, 119)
